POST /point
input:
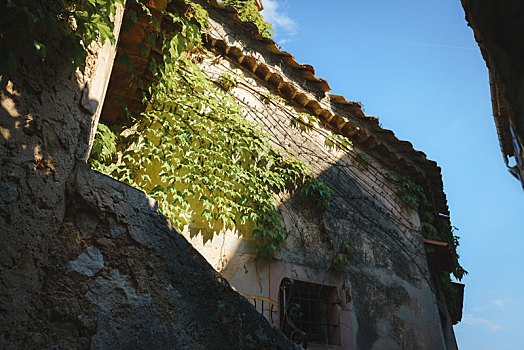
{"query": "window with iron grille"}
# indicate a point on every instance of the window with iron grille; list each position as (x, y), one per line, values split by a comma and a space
(309, 312)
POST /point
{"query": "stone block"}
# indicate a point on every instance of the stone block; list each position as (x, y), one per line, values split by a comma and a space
(88, 263)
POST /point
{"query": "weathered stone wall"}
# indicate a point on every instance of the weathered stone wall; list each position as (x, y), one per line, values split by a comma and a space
(393, 305)
(44, 130)
(86, 261)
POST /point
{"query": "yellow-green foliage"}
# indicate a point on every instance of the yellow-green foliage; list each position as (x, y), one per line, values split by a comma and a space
(104, 145)
(195, 153)
(248, 12)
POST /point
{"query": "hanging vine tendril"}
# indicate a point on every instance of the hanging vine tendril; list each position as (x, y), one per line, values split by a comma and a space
(195, 153)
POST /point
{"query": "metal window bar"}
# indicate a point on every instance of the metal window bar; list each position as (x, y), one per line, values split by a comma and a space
(267, 307)
(289, 312)
(316, 309)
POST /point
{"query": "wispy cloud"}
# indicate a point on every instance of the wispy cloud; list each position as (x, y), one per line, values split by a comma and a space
(477, 321)
(416, 43)
(283, 25)
(499, 302)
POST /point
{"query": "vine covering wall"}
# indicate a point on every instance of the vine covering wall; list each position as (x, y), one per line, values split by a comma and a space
(367, 222)
(210, 168)
(86, 262)
(193, 151)
(206, 164)
(213, 168)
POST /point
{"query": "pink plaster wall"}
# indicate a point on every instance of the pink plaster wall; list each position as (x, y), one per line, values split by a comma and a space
(280, 270)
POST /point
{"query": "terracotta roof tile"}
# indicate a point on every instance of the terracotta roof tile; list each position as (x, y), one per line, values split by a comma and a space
(368, 132)
(384, 136)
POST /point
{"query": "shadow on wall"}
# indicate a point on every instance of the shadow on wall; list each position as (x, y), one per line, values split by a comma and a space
(31, 123)
(382, 231)
(44, 130)
(388, 268)
(87, 261)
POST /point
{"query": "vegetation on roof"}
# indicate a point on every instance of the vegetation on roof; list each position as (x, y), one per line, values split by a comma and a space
(434, 228)
(214, 167)
(194, 152)
(248, 12)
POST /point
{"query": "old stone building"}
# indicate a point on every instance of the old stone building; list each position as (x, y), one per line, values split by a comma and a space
(89, 262)
(495, 24)
(387, 297)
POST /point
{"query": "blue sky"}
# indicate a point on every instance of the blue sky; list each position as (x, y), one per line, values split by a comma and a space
(416, 66)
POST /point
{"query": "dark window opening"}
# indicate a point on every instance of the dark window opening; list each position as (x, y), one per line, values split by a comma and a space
(309, 312)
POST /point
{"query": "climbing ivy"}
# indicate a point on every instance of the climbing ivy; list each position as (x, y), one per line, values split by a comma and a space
(104, 145)
(248, 12)
(195, 153)
(362, 159)
(342, 255)
(70, 24)
(433, 228)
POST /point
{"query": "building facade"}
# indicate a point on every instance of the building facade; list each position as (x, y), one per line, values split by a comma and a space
(494, 25)
(357, 275)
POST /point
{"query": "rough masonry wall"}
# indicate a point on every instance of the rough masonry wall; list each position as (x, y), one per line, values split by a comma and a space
(44, 130)
(393, 305)
(86, 261)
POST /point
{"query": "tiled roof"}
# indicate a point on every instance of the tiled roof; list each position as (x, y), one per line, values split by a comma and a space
(258, 4)
(365, 131)
(501, 116)
(362, 129)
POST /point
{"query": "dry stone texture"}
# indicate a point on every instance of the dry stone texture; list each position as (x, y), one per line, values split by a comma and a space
(87, 262)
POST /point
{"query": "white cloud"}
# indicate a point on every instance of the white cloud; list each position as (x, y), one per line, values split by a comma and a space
(469, 319)
(282, 24)
(499, 302)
